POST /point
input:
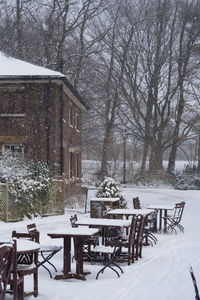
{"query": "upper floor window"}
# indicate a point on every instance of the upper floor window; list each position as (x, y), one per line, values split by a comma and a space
(70, 116)
(77, 122)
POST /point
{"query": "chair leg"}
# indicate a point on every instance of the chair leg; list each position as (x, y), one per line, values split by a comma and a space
(35, 279)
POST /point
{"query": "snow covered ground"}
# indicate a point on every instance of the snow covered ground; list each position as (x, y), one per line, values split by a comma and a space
(162, 273)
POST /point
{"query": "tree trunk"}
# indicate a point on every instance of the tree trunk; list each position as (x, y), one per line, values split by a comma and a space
(156, 158)
(175, 140)
(198, 155)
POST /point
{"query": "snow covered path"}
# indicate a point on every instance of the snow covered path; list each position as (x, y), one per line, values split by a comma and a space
(162, 273)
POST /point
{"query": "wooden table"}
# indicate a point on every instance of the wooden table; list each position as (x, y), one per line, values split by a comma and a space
(103, 224)
(79, 234)
(161, 208)
(127, 212)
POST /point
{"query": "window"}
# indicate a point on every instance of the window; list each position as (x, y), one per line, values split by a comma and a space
(74, 167)
(71, 165)
(70, 116)
(14, 149)
(77, 122)
(77, 166)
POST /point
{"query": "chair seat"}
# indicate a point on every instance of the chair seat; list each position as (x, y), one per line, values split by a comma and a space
(104, 249)
(24, 267)
(49, 248)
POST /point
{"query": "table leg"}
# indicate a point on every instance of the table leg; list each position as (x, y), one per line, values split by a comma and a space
(165, 221)
(80, 274)
(66, 260)
(160, 221)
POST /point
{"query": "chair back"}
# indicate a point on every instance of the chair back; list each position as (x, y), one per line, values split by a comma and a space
(6, 260)
(32, 228)
(27, 258)
(132, 233)
(32, 236)
(178, 212)
(136, 203)
(140, 228)
(73, 220)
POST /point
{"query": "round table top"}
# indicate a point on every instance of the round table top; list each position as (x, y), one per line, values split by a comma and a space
(24, 245)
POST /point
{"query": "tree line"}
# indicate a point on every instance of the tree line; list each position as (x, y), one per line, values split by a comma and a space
(135, 62)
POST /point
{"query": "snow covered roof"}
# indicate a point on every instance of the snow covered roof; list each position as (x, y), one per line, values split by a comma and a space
(10, 66)
(13, 68)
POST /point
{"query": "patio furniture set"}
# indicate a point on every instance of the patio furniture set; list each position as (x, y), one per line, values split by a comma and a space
(117, 237)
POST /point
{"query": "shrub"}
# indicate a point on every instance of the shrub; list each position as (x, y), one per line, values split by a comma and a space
(108, 188)
(28, 181)
(189, 179)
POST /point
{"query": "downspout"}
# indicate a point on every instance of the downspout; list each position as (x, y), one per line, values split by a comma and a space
(47, 97)
(61, 131)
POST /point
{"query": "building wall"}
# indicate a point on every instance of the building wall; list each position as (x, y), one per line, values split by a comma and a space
(36, 115)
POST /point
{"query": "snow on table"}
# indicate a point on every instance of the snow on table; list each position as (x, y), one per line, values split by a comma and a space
(26, 245)
(104, 222)
(71, 231)
(106, 199)
(129, 211)
(161, 206)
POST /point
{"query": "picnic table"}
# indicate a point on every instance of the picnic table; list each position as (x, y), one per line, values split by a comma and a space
(79, 234)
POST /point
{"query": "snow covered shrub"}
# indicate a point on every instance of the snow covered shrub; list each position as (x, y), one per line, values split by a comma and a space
(189, 179)
(28, 181)
(108, 188)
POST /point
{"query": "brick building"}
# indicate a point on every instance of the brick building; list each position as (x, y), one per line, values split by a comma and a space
(40, 115)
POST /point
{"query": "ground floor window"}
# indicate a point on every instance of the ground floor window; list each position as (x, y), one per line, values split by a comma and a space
(14, 149)
(74, 165)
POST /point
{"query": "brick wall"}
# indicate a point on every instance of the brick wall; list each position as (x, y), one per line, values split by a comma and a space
(36, 115)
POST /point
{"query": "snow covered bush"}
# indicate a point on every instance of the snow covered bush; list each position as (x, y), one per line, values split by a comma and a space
(189, 179)
(109, 188)
(28, 181)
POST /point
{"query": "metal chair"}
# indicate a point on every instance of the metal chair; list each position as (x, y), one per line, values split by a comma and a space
(88, 243)
(108, 259)
(173, 221)
(46, 251)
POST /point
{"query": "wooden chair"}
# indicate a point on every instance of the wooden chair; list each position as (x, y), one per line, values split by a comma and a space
(139, 237)
(127, 242)
(150, 223)
(6, 261)
(173, 221)
(27, 264)
(15, 283)
(136, 203)
(46, 251)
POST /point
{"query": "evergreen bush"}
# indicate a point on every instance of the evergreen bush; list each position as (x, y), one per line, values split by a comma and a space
(189, 179)
(109, 188)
